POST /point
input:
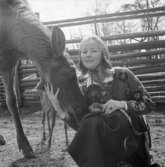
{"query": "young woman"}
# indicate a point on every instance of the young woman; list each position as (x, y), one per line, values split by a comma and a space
(108, 90)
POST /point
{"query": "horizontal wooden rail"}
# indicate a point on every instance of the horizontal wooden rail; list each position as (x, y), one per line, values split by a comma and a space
(123, 36)
(155, 88)
(148, 69)
(160, 82)
(157, 93)
(136, 46)
(157, 9)
(138, 54)
(26, 66)
(160, 99)
(151, 76)
(100, 20)
(152, 12)
(29, 70)
(138, 62)
(30, 80)
(130, 47)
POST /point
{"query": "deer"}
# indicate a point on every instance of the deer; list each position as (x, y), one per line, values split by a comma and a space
(22, 35)
(49, 116)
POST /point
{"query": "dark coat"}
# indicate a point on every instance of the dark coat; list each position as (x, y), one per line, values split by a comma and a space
(100, 141)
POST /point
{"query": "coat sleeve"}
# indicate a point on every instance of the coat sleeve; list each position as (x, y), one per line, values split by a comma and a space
(139, 101)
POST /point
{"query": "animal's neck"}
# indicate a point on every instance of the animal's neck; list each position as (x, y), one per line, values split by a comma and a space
(80, 110)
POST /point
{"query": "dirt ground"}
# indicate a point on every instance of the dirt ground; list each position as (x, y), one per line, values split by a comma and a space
(57, 157)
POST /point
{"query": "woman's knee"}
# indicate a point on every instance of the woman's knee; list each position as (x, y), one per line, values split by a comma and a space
(92, 121)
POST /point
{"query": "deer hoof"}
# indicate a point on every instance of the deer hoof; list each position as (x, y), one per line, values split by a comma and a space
(2, 140)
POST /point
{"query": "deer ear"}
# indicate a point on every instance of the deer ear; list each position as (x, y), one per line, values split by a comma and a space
(58, 41)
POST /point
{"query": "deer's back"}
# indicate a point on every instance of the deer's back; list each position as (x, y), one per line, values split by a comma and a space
(21, 34)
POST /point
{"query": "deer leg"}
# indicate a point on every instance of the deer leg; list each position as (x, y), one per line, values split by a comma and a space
(43, 128)
(66, 134)
(52, 127)
(48, 120)
(22, 141)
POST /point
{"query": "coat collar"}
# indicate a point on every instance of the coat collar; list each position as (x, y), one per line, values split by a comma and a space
(106, 80)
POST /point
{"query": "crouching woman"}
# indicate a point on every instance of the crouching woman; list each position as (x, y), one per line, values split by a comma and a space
(114, 133)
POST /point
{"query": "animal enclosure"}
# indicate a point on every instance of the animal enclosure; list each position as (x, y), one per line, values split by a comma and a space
(142, 52)
(145, 58)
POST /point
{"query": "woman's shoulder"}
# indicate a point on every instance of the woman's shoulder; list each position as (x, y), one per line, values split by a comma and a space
(120, 69)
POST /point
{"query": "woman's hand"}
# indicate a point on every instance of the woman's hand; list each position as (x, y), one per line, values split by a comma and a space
(113, 105)
(96, 107)
(54, 100)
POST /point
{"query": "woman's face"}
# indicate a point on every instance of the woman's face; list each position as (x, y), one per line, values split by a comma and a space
(90, 54)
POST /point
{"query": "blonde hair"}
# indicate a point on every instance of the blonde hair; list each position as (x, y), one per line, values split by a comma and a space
(104, 52)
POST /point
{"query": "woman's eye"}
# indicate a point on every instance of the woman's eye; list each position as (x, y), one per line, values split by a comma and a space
(84, 52)
(90, 51)
(94, 51)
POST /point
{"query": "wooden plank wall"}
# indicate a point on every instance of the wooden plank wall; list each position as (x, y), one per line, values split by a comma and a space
(145, 59)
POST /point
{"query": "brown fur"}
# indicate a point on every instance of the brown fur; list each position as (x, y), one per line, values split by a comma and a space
(22, 35)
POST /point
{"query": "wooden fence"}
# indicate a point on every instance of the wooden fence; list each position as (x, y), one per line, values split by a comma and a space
(145, 59)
